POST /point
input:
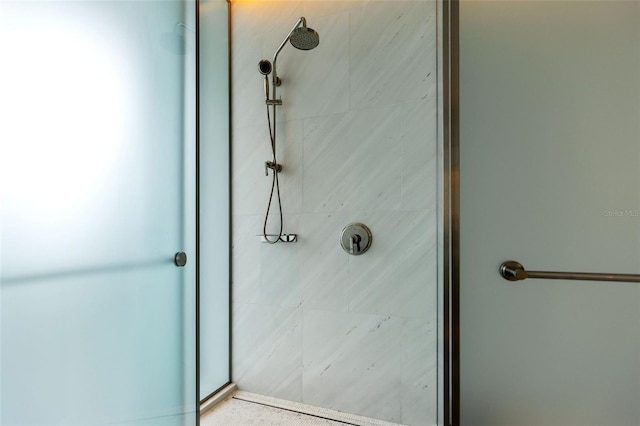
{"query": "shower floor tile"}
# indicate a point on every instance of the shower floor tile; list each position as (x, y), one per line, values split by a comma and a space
(236, 412)
(247, 409)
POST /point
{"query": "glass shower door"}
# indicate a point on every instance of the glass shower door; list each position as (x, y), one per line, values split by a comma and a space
(97, 185)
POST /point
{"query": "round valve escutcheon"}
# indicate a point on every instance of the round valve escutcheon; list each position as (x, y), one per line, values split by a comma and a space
(356, 238)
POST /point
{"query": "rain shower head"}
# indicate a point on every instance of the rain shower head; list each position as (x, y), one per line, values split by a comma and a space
(304, 38)
(301, 37)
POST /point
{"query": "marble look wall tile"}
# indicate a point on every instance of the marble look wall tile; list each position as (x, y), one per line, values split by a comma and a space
(247, 84)
(353, 161)
(397, 276)
(393, 52)
(325, 171)
(250, 188)
(375, 159)
(351, 363)
(265, 21)
(419, 154)
(279, 266)
(245, 258)
(419, 392)
(319, 8)
(356, 138)
(251, 148)
(313, 82)
(323, 263)
(276, 20)
(267, 350)
(258, 29)
(289, 149)
(439, 184)
(316, 82)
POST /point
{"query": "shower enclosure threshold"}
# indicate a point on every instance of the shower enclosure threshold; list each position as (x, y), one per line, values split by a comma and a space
(247, 408)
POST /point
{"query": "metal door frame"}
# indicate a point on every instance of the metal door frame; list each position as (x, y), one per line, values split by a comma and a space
(451, 212)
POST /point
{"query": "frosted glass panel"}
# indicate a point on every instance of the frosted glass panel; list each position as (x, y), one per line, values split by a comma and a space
(549, 151)
(214, 196)
(97, 145)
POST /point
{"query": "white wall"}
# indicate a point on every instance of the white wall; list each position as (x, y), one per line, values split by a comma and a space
(549, 106)
(357, 140)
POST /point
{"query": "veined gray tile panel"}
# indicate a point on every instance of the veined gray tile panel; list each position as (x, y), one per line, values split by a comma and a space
(418, 389)
(279, 265)
(351, 363)
(393, 52)
(419, 160)
(323, 265)
(325, 171)
(251, 149)
(270, 341)
(258, 29)
(357, 139)
(353, 161)
(245, 258)
(393, 277)
(316, 82)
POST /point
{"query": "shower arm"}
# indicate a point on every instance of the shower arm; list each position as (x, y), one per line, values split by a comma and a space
(276, 80)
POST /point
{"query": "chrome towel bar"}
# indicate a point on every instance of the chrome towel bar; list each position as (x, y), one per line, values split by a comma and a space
(514, 271)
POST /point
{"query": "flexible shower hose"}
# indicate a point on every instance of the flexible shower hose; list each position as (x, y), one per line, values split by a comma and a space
(275, 184)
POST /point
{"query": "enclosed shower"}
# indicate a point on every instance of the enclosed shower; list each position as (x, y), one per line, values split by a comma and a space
(132, 190)
(357, 142)
(303, 38)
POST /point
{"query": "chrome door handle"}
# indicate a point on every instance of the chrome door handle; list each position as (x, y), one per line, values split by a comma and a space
(181, 258)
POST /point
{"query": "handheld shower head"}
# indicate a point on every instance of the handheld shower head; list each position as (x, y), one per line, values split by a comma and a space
(304, 38)
(264, 66)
